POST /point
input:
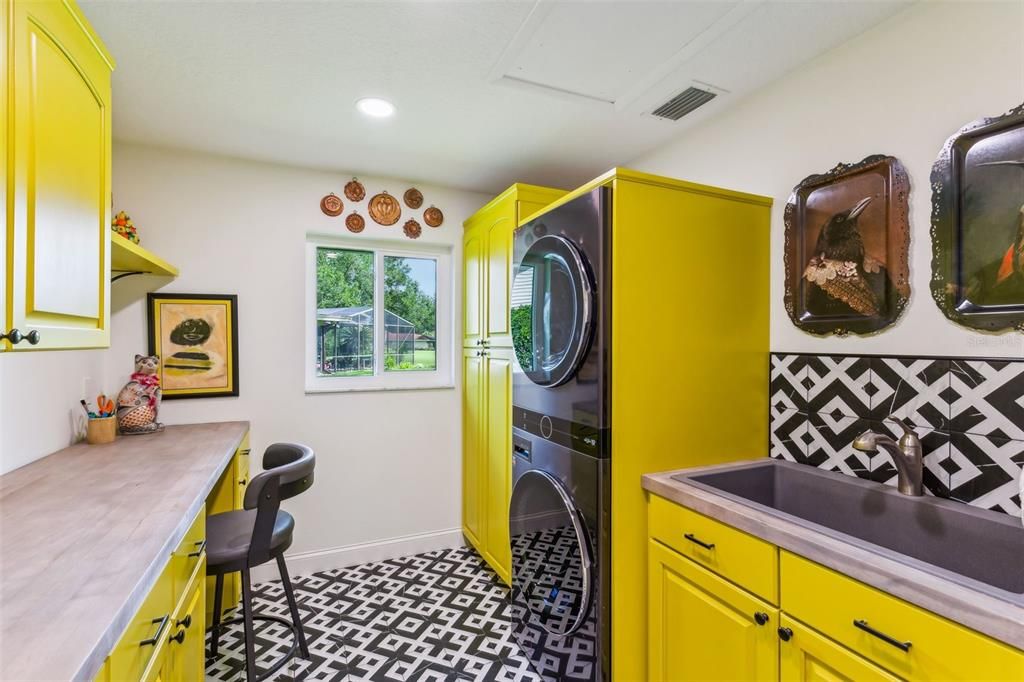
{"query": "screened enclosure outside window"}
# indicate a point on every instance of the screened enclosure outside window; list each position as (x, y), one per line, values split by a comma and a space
(377, 318)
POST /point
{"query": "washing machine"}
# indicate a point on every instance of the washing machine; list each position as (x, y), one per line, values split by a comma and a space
(560, 509)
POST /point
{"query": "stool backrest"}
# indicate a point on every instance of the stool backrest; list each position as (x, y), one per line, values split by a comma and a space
(287, 471)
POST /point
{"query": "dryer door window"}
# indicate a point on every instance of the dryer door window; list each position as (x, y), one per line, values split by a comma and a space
(552, 565)
(552, 310)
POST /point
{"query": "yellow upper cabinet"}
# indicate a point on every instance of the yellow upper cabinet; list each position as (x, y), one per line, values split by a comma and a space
(487, 258)
(58, 213)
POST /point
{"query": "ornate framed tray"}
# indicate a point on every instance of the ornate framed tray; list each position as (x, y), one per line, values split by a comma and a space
(847, 243)
(978, 224)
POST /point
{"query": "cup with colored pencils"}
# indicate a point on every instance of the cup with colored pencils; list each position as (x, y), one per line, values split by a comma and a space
(102, 427)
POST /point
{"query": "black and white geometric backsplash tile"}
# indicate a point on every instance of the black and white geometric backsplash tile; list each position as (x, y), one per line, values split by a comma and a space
(437, 616)
(968, 412)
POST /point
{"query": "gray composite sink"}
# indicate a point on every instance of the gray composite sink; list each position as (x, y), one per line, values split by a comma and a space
(979, 544)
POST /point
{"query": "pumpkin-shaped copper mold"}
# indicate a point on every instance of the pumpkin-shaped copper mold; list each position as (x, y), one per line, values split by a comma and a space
(413, 198)
(332, 205)
(355, 223)
(385, 209)
(354, 190)
(412, 229)
(433, 216)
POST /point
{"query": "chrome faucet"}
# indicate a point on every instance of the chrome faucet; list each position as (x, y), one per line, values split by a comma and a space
(907, 455)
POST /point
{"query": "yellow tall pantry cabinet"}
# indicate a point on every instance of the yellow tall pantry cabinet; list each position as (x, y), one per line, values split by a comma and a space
(56, 79)
(487, 369)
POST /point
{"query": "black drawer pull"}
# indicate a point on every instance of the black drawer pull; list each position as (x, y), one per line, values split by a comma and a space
(198, 552)
(695, 540)
(761, 618)
(178, 637)
(785, 634)
(159, 631)
(243, 481)
(245, 452)
(185, 622)
(863, 625)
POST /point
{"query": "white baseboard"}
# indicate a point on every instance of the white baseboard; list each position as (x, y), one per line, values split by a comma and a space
(304, 563)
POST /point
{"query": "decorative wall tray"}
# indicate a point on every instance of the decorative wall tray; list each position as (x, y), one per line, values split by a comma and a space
(847, 241)
(978, 224)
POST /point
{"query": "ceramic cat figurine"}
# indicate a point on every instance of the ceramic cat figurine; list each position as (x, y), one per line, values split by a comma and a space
(139, 401)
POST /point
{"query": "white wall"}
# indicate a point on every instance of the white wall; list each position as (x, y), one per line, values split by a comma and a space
(388, 463)
(901, 89)
(39, 394)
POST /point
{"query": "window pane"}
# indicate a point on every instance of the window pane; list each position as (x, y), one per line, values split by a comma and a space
(410, 314)
(344, 312)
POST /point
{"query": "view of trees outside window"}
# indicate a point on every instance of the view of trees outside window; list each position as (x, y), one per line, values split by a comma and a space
(346, 309)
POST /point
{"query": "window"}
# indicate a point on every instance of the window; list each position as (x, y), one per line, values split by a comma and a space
(377, 317)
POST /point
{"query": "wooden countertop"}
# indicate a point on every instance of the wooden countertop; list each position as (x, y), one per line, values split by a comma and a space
(85, 532)
(995, 613)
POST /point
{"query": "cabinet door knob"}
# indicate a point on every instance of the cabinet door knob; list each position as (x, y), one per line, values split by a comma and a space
(785, 634)
(760, 617)
(16, 337)
(185, 622)
(178, 637)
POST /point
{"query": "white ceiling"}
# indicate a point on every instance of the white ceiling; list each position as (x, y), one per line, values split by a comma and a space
(488, 93)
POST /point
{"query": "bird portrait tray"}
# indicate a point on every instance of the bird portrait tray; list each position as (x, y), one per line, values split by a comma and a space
(978, 224)
(847, 248)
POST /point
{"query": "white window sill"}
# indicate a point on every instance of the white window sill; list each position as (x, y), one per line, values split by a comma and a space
(375, 389)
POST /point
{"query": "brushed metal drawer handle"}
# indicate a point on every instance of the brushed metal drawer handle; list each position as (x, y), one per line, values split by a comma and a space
(199, 552)
(159, 631)
(863, 625)
(697, 541)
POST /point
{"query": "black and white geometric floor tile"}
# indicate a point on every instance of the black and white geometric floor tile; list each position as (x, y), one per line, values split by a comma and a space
(441, 615)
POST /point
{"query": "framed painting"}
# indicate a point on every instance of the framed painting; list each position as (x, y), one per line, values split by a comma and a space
(196, 337)
(846, 251)
(978, 224)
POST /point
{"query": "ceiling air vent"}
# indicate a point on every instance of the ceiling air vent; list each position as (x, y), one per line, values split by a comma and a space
(683, 103)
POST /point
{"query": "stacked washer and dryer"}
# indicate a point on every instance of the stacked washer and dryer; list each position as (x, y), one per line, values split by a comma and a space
(560, 506)
(679, 277)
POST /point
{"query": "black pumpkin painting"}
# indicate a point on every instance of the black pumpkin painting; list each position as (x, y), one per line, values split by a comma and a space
(192, 332)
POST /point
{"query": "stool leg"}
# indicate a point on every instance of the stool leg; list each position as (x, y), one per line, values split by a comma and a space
(218, 597)
(296, 618)
(250, 635)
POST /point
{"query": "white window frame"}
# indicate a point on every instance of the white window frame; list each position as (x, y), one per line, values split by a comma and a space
(382, 380)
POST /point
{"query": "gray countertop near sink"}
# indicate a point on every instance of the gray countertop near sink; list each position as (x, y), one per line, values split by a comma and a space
(997, 613)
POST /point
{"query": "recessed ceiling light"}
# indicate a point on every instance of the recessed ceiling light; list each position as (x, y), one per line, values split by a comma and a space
(376, 107)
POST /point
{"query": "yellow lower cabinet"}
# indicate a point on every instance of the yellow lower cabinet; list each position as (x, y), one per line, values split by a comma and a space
(806, 656)
(139, 655)
(703, 628)
(186, 647)
(904, 639)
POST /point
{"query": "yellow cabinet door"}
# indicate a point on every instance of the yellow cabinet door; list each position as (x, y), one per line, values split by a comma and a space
(497, 489)
(473, 426)
(498, 268)
(59, 154)
(187, 645)
(703, 628)
(807, 656)
(473, 290)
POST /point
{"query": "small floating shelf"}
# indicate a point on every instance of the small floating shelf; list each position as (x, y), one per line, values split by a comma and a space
(128, 257)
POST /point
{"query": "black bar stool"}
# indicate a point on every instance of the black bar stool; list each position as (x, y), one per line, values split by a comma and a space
(243, 539)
